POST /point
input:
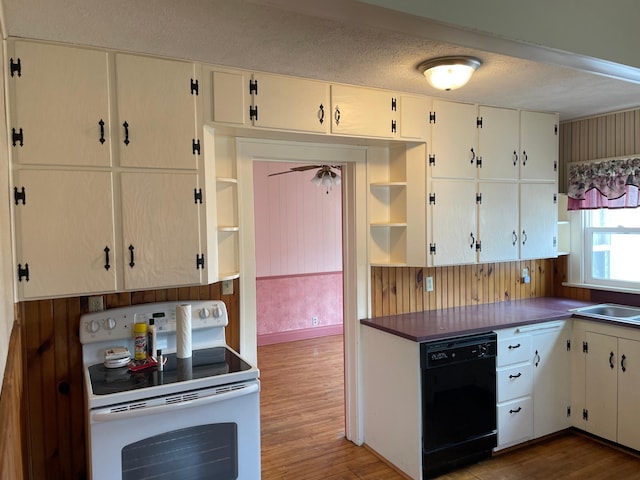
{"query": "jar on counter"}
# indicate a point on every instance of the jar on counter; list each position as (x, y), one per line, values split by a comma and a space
(140, 341)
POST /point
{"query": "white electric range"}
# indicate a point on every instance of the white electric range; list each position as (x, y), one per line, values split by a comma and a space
(197, 418)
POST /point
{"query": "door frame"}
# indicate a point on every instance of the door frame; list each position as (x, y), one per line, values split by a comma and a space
(356, 275)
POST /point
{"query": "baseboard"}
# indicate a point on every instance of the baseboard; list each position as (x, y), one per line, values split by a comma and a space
(302, 334)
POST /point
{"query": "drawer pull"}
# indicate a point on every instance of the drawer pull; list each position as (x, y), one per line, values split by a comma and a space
(516, 376)
(517, 410)
(511, 347)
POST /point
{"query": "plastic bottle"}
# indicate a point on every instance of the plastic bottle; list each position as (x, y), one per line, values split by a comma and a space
(140, 341)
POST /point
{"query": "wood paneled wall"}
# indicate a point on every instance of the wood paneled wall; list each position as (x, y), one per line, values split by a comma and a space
(53, 400)
(12, 417)
(401, 289)
(604, 136)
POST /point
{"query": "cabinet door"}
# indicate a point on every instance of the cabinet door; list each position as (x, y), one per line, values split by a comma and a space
(453, 222)
(58, 102)
(362, 112)
(229, 105)
(538, 220)
(288, 103)
(498, 221)
(515, 422)
(551, 379)
(414, 117)
(155, 101)
(62, 231)
(454, 140)
(602, 385)
(498, 143)
(160, 222)
(628, 381)
(539, 146)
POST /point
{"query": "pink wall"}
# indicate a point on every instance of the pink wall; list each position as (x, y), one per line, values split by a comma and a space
(298, 255)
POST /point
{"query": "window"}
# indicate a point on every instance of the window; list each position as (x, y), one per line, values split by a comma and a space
(611, 255)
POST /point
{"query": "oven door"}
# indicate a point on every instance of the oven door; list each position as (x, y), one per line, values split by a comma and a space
(205, 434)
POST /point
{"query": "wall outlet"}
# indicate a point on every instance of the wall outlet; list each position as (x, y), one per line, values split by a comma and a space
(525, 276)
(227, 287)
(428, 284)
(96, 304)
(314, 321)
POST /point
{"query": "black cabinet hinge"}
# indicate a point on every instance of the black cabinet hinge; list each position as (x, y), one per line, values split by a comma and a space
(23, 272)
(195, 146)
(393, 126)
(253, 113)
(15, 67)
(478, 246)
(197, 195)
(585, 347)
(393, 104)
(478, 122)
(17, 137)
(19, 195)
(555, 241)
(555, 198)
(432, 117)
(478, 162)
(432, 249)
(432, 160)
(555, 129)
(195, 87)
(585, 414)
(253, 87)
(568, 411)
(555, 165)
(432, 199)
(568, 345)
(479, 198)
(199, 261)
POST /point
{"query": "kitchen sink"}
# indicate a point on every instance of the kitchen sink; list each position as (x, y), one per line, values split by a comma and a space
(609, 311)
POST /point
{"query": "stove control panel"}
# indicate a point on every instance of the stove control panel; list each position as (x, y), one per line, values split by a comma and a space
(117, 323)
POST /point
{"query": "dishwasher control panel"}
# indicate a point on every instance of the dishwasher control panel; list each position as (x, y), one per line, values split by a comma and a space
(457, 350)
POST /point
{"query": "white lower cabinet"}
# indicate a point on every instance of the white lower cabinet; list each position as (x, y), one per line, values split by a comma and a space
(606, 378)
(533, 381)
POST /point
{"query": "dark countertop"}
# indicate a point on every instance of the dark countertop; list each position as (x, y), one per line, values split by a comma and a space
(451, 322)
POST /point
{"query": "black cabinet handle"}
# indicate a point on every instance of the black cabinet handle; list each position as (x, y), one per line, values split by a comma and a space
(126, 132)
(101, 123)
(472, 240)
(107, 266)
(622, 365)
(515, 158)
(516, 376)
(131, 263)
(611, 360)
(336, 115)
(517, 410)
(524, 237)
(473, 156)
(536, 358)
(511, 347)
(524, 157)
(321, 114)
(515, 237)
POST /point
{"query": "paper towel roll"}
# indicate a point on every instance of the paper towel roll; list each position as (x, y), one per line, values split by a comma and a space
(183, 331)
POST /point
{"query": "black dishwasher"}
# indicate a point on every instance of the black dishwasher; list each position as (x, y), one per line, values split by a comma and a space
(458, 402)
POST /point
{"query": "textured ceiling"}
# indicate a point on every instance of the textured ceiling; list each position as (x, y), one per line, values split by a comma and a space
(334, 40)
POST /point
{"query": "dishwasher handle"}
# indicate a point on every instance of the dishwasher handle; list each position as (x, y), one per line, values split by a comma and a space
(106, 414)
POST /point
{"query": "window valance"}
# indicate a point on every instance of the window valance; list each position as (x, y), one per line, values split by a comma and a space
(604, 184)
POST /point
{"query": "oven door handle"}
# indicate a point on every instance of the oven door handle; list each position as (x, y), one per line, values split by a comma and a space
(107, 414)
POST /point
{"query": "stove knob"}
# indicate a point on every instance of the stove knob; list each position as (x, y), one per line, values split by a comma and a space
(216, 311)
(93, 326)
(109, 323)
(204, 313)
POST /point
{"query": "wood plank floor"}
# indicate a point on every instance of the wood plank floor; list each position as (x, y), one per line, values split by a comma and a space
(302, 413)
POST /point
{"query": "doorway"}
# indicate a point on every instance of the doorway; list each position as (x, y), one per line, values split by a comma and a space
(355, 264)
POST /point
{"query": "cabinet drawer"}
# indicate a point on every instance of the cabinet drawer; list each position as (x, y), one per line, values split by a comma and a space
(514, 350)
(514, 382)
(515, 422)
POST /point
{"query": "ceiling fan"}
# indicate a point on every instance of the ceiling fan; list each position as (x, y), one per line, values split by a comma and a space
(324, 176)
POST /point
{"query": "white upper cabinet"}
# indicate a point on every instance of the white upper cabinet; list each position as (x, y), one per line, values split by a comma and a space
(64, 233)
(160, 231)
(229, 100)
(453, 140)
(59, 105)
(538, 220)
(414, 117)
(452, 207)
(498, 143)
(156, 112)
(498, 222)
(538, 146)
(287, 103)
(363, 112)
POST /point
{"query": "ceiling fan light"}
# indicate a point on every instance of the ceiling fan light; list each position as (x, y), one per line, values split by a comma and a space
(449, 73)
(317, 178)
(326, 180)
(336, 179)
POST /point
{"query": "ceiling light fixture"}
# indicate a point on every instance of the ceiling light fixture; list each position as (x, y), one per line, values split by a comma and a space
(326, 177)
(449, 73)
